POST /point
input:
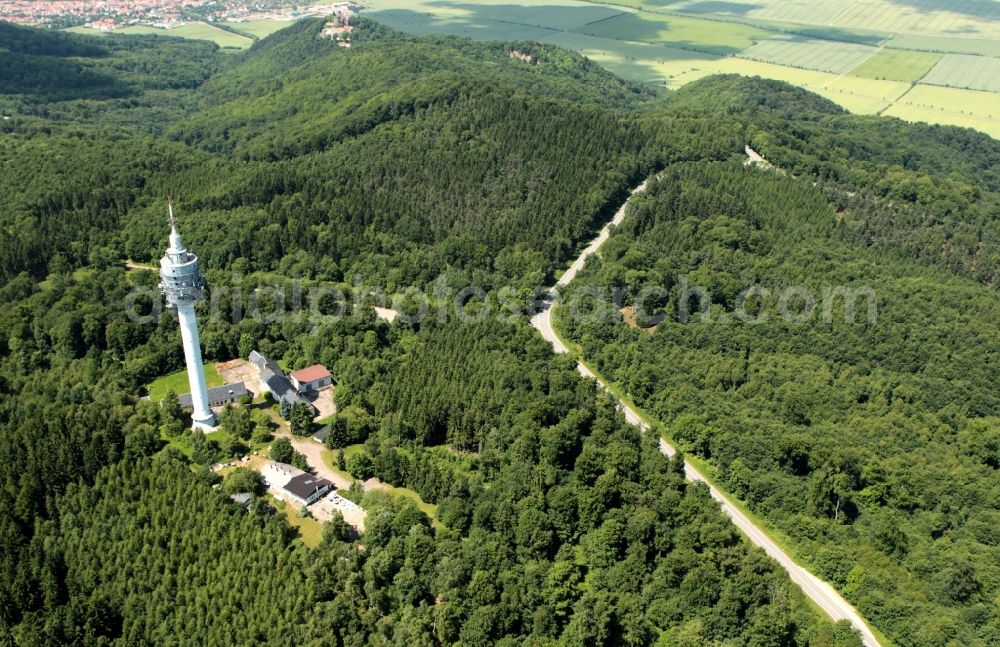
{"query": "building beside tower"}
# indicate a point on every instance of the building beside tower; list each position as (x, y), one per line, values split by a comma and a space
(183, 285)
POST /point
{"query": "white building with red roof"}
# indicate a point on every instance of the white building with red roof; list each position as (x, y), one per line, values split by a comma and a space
(311, 378)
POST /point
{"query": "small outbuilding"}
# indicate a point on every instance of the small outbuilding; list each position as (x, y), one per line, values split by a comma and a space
(321, 434)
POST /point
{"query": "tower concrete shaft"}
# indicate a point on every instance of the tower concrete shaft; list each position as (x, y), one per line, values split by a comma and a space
(183, 285)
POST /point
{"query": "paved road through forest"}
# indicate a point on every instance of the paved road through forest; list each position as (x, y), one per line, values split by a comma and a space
(822, 593)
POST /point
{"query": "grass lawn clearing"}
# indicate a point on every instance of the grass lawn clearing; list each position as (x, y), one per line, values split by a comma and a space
(178, 382)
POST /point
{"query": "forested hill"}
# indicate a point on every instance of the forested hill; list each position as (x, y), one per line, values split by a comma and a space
(403, 160)
(914, 190)
(396, 158)
(874, 443)
(102, 81)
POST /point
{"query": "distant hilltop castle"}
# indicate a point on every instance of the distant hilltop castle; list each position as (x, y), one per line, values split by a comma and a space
(338, 27)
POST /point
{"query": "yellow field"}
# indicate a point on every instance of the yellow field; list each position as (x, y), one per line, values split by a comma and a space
(860, 96)
(957, 100)
(793, 75)
(954, 106)
(875, 88)
(911, 112)
(684, 78)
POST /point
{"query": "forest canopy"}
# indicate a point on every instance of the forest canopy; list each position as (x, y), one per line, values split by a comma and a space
(407, 161)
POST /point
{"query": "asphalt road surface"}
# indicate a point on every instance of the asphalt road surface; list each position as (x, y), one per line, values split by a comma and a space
(820, 592)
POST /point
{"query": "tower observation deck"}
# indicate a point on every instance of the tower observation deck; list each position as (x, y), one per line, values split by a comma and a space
(183, 285)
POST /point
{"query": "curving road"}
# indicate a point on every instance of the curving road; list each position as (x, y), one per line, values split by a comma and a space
(820, 592)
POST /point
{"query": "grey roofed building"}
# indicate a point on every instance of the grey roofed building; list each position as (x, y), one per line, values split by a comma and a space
(263, 362)
(274, 381)
(321, 434)
(242, 498)
(219, 395)
(307, 487)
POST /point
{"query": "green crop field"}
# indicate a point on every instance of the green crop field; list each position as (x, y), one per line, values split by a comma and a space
(204, 31)
(550, 15)
(84, 30)
(705, 35)
(142, 29)
(632, 60)
(978, 46)
(812, 54)
(260, 28)
(559, 15)
(422, 24)
(926, 17)
(897, 65)
(194, 31)
(966, 71)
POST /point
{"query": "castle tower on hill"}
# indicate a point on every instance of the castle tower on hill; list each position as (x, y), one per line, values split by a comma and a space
(183, 285)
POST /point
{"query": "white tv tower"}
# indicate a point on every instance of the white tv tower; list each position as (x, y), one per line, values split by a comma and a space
(183, 285)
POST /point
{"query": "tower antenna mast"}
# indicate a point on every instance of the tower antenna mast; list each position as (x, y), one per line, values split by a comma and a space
(170, 210)
(183, 286)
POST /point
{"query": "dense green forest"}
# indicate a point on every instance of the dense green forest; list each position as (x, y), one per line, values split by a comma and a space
(412, 161)
(874, 445)
(585, 534)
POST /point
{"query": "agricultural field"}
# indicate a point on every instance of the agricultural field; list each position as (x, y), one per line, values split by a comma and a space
(897, 65)
(558, 15)
(925, 17)
(711, 36)
(913, 112)
(423, 24)
(635, 61)
(259, 28)
(952, 45)
(966, 71)
(194, 31)
(205, 31)
(860, 95)
(985, 105)
(839, 49)
(812, 54)
(554, 15)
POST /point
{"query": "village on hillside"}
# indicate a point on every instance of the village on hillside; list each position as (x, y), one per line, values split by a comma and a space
(112, 15)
